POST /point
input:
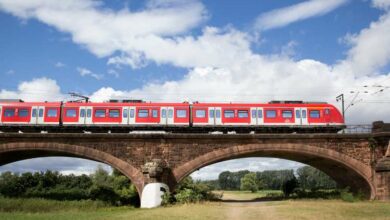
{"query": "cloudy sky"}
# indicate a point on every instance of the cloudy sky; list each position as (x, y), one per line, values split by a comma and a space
(193, 50)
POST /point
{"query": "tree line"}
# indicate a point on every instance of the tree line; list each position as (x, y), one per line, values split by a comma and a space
(114, 188)
(307, 177)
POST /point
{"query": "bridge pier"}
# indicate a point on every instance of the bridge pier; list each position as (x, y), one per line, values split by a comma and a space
(154, 175)
(383, 177)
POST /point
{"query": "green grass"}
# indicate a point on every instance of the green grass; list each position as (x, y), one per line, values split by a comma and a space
(44, 205)
(290, 209)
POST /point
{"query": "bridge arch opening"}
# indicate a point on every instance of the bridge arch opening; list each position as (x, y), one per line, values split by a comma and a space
(344, 170)
(15, 152)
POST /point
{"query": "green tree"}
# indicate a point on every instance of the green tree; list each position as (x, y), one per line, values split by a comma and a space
(289, 186)
(313, 179)
(249, 182)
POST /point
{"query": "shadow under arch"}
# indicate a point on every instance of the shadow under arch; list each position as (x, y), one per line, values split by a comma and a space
(345, 170)
(13, 152)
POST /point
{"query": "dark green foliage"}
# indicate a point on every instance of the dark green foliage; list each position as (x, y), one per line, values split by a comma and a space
(231, 180)
(289, 186)
(113, 188)
(312, 179)
(190, 191)
(274, 179)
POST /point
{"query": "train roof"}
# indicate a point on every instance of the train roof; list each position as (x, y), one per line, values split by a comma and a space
(159, 104)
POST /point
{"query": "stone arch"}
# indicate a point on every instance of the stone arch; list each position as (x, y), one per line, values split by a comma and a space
(12, 152)
(345, 170)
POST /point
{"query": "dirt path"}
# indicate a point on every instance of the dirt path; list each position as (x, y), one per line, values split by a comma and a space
(247, 210)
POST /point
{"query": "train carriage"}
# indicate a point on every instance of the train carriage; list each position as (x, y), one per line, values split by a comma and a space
(126, 116)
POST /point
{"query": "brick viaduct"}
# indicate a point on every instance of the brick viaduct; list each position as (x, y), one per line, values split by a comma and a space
(360, 161)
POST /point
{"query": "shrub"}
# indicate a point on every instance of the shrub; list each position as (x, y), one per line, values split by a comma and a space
(289, 186)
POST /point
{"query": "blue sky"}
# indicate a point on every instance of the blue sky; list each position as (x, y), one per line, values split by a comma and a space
(171, 50)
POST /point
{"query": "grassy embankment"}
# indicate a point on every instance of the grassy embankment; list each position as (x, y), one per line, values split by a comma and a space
(299, 209)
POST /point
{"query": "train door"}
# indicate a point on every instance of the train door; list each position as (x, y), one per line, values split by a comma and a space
(37, 114)
(166, 116)
(218, 116)
(304, 120)
(253, 116)
(260, 118)
(211, 116)
(170, 118)
(125, 115)
(132, 115)
(82, 115)
(298, 116)
(88, 115)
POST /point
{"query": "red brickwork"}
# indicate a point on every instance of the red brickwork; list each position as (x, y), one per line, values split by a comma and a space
(349, 159)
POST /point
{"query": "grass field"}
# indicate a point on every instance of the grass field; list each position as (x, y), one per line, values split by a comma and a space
(302, 209)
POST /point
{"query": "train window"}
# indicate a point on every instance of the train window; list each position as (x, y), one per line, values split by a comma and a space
(217, 113)
(82, 113)
(9, 112)
(298, 114)
(314, 114)
(71, 113)
(211, 114)
(113, 113)
(23, 113)
(143, 113)
(89, 113)
(200, 113)
(287, 114)
(40, 113)
(51, 113)
(243, 114)
(164, 113)
(170, 113)
(270, 113)
(125, 113)
(181, 113)
(228, 113)
(303, 113)
(100, 113)
(253, 113)
(34, 113)
(260, 113)
(131, 113)
(155, 113)
(327, 111)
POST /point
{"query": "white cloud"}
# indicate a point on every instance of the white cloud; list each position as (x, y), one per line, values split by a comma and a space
(59, 65)
(382, 4)
(304, 10)
(86, 72)
(369, 51)
(105, 31)
(113, 73)
(40, 89)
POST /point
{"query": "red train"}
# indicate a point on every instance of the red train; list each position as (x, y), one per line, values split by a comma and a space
(130, 115)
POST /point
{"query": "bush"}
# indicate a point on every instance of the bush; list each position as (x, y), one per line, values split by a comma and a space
(189, 191)
(348, 196)
(188, 196)
(289, 186)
